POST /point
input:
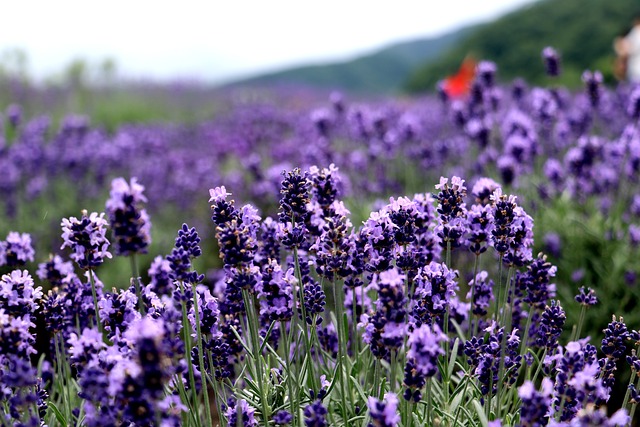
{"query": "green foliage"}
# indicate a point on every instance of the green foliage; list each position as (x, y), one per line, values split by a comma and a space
(582, 31)
(381, 72)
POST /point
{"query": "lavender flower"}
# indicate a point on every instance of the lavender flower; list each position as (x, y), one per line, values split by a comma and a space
(129, 222)
(586, 297)
(87, 239)
(160, 276)
(16, 250)
(54, 270)
(593, 86)
(315, 415)
(276, 287)
(550, 326)
(482, 290)
(422, 359)
(294, 196)
(551, 61)
(385, 330)
(435, 286)
(18, 295)
(282, 418)
(451, 210)
(483, 189)
(384, 413)
(534, 411)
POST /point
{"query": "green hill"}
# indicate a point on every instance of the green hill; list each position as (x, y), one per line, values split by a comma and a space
(384, 71)
(581, 30)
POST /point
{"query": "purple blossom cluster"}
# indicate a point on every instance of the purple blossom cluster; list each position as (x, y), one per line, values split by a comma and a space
(147, 354)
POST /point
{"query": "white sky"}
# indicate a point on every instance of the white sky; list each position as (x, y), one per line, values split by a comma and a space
(219, 40)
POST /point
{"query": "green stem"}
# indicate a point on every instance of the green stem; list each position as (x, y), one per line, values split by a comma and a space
(290, 380)
(252, 320)
(337, 293)
(507, 320)
(429, 402)
(576, 335)
(305, 328)
(186, 330)
(633, 407)
(135, 276)
(628, 393)
(203, 374)
(62, 366)
(473, 293)
(95, 300)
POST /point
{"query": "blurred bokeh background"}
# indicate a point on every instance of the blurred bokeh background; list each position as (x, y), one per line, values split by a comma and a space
(157, 61)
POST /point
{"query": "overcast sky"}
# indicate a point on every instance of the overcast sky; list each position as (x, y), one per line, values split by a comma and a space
(221, 40)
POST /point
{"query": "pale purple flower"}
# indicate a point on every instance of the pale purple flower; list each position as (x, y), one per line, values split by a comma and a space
(87, 239)
(384, 413)
(16, 250)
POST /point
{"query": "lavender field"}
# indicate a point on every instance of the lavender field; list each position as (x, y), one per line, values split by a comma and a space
(297, 260)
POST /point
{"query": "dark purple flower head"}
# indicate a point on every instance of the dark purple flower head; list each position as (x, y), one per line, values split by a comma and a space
(435, 286)
(592, 416)
(16, 250)
(186, 249)
(483, 189)
(384, 413)
(486, 72)
(425, 348)
(593, 86)
(18, 295)
(130, 224)
(615, 336)
(276, 287)
(54, 270)
(482, 290)
(534, 411)
(83, 347)
(326, 185)
(282, 418)
(550, 326)
(633, 107)
(223, 210)
(118, 311)
(551, 61)
(586, 296)
(451, 197)
(479, 226)
(160, 276)
(294, 197)
(87, 239)
(386, 329)
(315, 415)
(15, 336)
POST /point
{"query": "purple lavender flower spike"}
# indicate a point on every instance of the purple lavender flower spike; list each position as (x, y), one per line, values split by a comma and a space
(276, 288)
(241, 413)
(54, 270)
(534, 411)
(283, 418)
(586, 297)
(16, 250)
(18, 295)
(422, 359)
(384, 413)
(483, 189)
(315, 415)
(130, 223)
(86, 237)
(551, 61)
